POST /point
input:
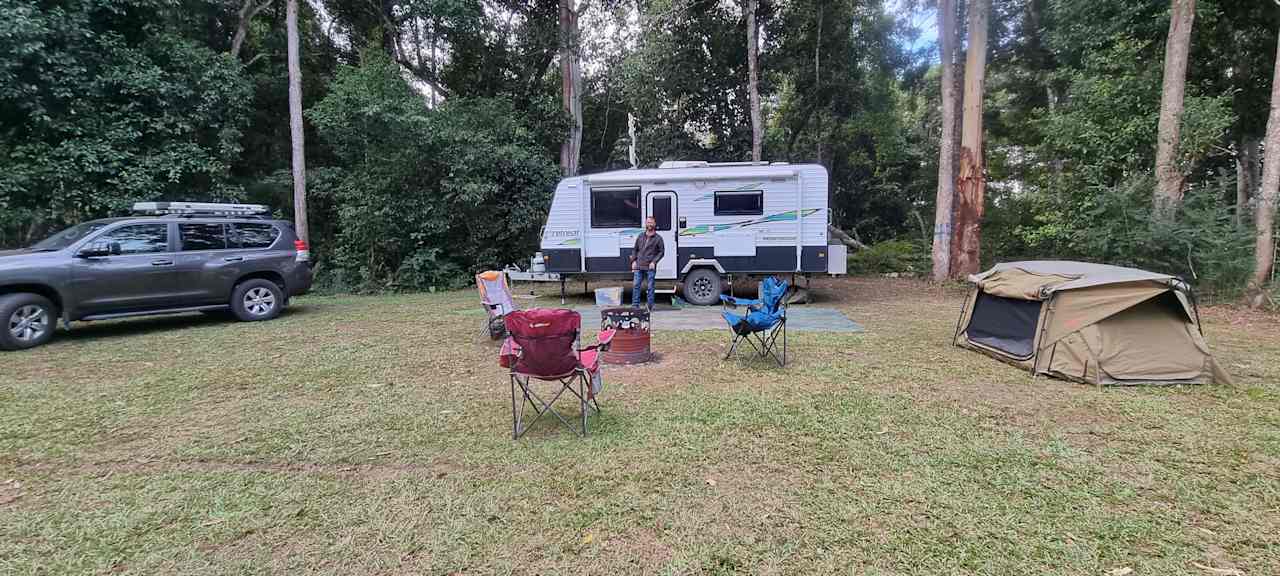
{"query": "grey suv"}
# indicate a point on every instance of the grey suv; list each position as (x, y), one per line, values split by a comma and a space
(121, 267)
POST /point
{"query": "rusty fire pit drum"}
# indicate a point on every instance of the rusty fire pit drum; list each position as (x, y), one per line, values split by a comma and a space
(631, 339)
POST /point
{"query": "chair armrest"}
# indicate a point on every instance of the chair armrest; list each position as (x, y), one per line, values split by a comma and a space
(511, 352)
(605, 340)
(735, 302)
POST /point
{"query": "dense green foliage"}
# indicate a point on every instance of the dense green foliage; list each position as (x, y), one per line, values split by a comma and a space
(434, 126)
(426, 195)
(891, 257)
(103, 103)
(1116, 225)
(1074, 97)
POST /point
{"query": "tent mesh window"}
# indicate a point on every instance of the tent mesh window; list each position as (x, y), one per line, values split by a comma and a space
(1005, 324)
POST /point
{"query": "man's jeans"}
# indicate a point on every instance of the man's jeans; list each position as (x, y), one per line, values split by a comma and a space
(635, 287)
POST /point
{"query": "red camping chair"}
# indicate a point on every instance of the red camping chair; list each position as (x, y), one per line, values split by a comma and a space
(543, 347)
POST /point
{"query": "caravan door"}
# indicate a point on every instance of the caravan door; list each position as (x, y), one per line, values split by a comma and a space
(661, 206)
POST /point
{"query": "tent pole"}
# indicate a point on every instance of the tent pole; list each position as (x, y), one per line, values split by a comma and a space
(1045, 317)
(973, 297)
(1195, 306)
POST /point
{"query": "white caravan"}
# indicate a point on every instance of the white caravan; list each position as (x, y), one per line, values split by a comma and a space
(715, 220)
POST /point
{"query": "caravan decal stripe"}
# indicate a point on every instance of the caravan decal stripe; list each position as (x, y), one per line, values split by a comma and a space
(575, 242)
(744, 188)
(781, 217)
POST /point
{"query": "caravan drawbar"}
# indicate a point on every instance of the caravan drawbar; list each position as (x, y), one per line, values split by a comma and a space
(715, 219)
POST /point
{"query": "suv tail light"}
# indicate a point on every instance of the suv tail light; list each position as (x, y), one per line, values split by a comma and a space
(304, 253)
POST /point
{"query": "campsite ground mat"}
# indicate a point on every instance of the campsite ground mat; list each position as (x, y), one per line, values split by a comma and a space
(800, 318)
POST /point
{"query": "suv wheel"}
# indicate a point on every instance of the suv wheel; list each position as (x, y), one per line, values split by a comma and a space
(26, 321)
(702, 287)
(256, 299)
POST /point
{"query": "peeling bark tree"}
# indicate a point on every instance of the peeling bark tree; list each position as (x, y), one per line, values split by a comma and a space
(971, 181)
(942, 224)
(571, 81)
(1265, 216)
(1169, 176)
(295, 124)
(753, 82)
(247, 13)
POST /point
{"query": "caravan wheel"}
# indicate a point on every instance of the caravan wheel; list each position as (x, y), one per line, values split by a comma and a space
(702, 287)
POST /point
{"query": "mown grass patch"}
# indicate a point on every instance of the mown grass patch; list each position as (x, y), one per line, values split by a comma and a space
(371, 435)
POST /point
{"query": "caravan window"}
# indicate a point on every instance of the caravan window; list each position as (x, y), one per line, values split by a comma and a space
(661, 212)
(615, 207)
(740, 203)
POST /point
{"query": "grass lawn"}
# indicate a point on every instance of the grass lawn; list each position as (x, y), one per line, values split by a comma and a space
(371, 435)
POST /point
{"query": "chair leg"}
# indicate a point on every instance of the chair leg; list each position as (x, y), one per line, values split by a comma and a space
(764, 344)
(759, 348)
(547, 406)
(784, 342)
(782, 361)
(517, 408)
(515, 424)
(769, 344)
(582, 387)
(540, 406)
(733, 345)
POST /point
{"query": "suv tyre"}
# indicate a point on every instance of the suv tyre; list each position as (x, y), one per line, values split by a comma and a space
(257, 299)
(26, 321)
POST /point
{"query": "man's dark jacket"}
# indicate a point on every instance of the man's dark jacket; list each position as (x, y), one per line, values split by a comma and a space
(648, 249)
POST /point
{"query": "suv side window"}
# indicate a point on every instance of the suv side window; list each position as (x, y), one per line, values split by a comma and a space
(254, 235)
(139, 238)
(202, 237)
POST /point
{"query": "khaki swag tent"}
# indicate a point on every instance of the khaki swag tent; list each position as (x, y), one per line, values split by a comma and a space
(1093, 323)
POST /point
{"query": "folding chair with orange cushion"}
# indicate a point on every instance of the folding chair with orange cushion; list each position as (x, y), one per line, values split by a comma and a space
(543, 347)
(495, 295)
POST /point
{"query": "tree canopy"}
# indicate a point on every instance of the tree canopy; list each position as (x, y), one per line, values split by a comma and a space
(434, 126)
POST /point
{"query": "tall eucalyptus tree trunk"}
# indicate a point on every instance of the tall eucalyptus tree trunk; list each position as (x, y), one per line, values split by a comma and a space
(971, 179)
(1265, 217)
(942, 222)
(753, 83)
(295, 124)
(571, 82)
(1169, 177)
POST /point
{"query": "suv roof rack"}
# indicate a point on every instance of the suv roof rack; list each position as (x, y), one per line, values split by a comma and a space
(200, 209)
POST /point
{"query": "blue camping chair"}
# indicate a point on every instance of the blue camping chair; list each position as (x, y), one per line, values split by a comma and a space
(764, 322)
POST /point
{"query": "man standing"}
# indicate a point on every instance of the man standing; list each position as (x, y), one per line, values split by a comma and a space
(644, 260)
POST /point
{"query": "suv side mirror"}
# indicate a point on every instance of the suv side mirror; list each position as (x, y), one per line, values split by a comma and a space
(99, 249)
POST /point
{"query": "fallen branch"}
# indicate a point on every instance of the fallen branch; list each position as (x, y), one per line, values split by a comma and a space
(845, 239)
(1221, 571)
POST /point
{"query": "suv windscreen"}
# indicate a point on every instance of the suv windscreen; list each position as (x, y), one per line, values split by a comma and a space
(202, 237)
(70, 235)
(139, 238)
(254, 235)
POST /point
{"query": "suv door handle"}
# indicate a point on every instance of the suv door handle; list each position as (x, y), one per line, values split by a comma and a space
(162, 262)
(233, 259)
